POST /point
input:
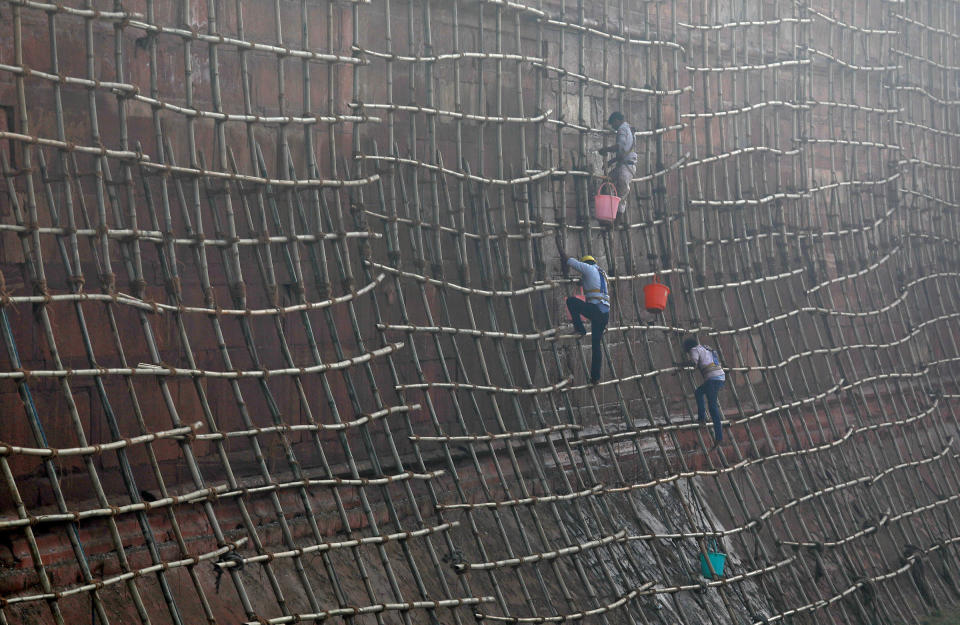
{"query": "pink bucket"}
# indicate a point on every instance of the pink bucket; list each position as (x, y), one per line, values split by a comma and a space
(605, 206)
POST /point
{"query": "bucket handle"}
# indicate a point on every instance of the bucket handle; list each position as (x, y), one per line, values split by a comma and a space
(656, 278)
(605, 184)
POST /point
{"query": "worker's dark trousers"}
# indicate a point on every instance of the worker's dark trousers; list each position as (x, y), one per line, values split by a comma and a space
(707, 393)
(598, 323)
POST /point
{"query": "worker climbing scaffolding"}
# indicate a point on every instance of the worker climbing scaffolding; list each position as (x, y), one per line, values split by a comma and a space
(596, 308)
(624, 161)
(708, 362)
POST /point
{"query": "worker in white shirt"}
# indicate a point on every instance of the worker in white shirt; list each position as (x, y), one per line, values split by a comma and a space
(708, 362)
(624, 161)
(596, 308)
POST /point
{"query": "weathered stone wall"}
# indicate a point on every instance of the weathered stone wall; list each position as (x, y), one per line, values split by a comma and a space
(283, 318)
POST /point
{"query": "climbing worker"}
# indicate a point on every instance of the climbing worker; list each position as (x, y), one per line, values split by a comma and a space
(708, 362)
(624, 159)
(596, 308)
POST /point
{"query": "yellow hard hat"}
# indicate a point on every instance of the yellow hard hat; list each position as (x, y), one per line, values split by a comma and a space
(587, 258)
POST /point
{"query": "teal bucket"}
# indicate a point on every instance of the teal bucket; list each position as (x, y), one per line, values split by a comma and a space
(717, 560)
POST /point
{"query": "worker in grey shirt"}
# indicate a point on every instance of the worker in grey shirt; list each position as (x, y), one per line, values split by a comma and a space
(596, 308)
(625, 157)
(708, 362)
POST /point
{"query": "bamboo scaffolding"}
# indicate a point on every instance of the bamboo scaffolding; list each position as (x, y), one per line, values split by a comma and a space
(289, 268)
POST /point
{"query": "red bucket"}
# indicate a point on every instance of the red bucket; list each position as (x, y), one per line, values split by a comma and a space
(605, 206)
(655, 295)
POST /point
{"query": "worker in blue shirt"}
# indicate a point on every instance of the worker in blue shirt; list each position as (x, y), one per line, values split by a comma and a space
(596, 308)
